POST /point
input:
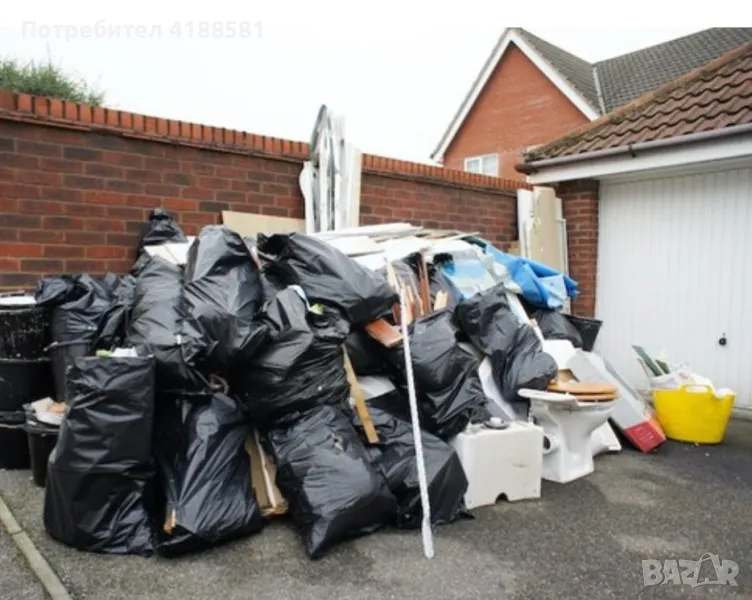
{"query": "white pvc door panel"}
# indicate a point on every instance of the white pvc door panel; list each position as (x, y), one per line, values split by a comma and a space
(675, 275)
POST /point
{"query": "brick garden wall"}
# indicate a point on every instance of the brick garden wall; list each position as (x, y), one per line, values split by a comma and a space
(77, 184)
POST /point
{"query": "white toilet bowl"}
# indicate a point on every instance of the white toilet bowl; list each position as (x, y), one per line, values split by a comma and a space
(568, 425)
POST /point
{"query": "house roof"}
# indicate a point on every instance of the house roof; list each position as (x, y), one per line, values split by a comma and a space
(577, 71)
(713, 97)
(604, 86)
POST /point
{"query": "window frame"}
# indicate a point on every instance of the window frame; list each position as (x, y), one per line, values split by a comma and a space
(480, 158)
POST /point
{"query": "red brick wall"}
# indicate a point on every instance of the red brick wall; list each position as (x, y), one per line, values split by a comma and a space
(76, 186)
(518, 107)
(580, 206)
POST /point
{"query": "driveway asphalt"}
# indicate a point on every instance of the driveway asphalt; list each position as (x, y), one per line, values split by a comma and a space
(585, 539)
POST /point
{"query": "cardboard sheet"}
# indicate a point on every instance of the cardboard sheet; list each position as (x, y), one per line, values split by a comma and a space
(251, 224)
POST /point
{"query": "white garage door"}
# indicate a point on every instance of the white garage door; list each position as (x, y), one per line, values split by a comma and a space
(675, 275)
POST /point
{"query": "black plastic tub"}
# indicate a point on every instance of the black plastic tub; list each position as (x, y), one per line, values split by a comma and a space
(14, 444)
(62, 356)
(24, 327)
(24, 381)
(41, 440)
(588, 329)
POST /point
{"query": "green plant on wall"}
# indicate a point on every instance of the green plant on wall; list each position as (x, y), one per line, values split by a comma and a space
(46, 79)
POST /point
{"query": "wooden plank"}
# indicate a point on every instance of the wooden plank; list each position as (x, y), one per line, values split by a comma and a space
(251, 224)
(425, 290)
(360, 402)
(384, 333)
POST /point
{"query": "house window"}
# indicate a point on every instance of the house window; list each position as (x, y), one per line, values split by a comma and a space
(488, 164)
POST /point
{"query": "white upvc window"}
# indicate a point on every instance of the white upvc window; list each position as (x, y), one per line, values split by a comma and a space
(487, 164)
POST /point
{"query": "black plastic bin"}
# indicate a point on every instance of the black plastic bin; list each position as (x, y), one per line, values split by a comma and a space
(24, 381)
(14, 446)
(24, 327)
(588, 329)
(41, 439)
(62, 355)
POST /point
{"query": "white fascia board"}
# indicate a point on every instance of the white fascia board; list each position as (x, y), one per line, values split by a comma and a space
(646, 160)
(510, 36)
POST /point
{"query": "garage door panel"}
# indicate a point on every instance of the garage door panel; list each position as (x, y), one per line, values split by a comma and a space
(675, 273)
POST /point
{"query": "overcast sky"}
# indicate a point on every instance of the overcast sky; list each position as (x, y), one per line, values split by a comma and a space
(396, 75)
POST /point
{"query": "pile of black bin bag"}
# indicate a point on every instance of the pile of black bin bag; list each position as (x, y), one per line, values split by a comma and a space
(151, 456)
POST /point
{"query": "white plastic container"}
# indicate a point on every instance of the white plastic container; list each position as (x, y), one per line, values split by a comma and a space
(501, 462)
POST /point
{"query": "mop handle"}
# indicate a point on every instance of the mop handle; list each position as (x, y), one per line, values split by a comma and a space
(425, 527)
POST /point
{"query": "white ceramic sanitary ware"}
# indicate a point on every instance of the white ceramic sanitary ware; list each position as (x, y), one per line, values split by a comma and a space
(568, 426)
(500, 462)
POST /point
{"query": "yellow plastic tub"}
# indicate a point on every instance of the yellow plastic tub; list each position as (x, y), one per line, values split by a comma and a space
(693, 413)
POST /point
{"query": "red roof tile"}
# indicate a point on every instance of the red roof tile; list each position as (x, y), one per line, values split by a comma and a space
(715, 96)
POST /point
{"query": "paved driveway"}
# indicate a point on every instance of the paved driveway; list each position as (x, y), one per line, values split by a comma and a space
(581, 540)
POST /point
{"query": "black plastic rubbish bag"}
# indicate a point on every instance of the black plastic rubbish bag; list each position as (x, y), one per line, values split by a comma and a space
(366, 354)
(329, 276)
(160, 229)
(325, 474)
(449, 392)
(525, 366)
(556, 326)
(99, 487)
(156, 326)
(488, 321)
(113, 326)
(394, 458)
(205, 473)
(78, 304)
(301, 366)
(222, 295)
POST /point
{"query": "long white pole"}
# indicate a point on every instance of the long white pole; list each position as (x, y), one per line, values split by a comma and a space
(425, 527)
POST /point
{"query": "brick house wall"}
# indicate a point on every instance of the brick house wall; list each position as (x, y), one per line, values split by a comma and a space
(77, 184)
(518, 107)
(579, 201)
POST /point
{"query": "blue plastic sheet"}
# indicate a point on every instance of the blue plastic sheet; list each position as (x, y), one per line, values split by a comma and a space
(541, 285)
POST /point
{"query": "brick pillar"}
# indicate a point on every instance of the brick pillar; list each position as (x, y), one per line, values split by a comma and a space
(580, 206)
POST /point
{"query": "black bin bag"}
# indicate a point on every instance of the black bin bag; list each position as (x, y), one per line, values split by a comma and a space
(488, 321)
(325, 474)
(113, 326)
(204, 472)
(554, 325)
(525, 366)
(366, 354)
(157, 323)
(329, 276)
(222, 295)
(99, 487)
(394, 457)
(301, 366)
(160, 228)
(449, 392)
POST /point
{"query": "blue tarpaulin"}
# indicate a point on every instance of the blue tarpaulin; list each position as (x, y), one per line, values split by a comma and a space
(541, 285)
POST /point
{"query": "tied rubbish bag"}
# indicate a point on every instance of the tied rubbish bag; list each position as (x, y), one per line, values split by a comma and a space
(161, 228)
(113, 326)
(394, 458)
(301, 367)
(205, 473)
(488, 321)
(98, 491)
(329, 276)
(222, 295)
(156, 326)
(325, 474)
(448, 387)
(556, 326)
(526, 366)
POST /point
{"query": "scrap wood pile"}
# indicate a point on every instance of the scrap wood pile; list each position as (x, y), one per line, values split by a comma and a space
(173, 371)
